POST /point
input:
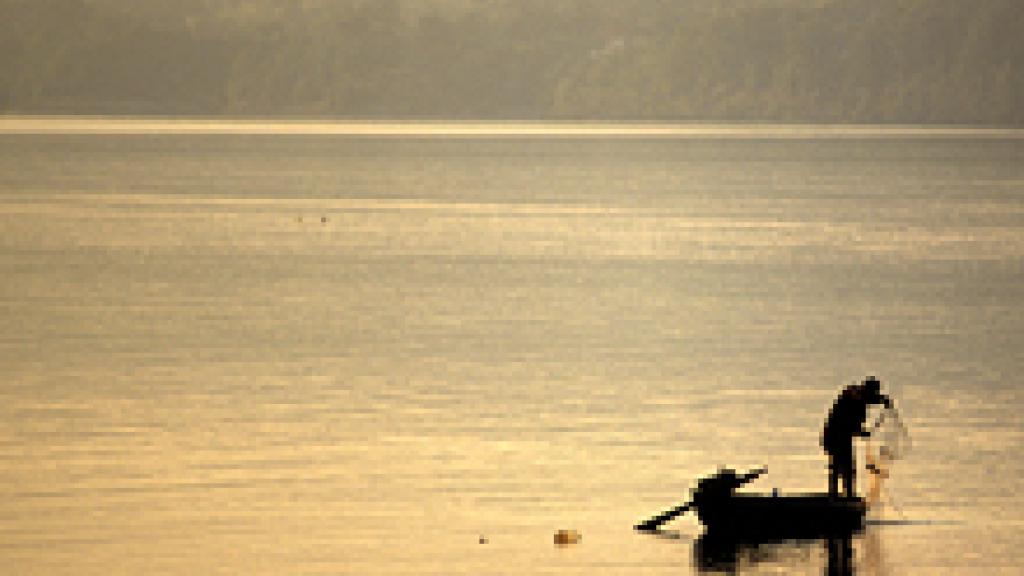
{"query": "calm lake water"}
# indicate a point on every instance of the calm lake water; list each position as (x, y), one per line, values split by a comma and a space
(357, 354)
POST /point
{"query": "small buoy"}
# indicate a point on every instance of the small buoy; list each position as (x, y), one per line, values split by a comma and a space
(483, 539)
(566, 537)
(323, 219)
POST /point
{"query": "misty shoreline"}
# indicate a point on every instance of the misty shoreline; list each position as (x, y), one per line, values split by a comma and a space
(854, 61)
(269, 125)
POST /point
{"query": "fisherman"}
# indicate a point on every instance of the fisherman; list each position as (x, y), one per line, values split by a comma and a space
(722, 485)
(845, 421)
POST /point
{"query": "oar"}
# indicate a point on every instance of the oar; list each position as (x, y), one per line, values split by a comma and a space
(652, 524)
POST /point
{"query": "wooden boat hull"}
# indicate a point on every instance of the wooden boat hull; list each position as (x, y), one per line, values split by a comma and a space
(767, 516)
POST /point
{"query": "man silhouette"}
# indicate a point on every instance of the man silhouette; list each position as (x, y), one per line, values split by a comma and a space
(846, 421)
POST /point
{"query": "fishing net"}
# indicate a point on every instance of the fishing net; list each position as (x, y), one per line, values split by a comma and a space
(890, 436)
(889, 442)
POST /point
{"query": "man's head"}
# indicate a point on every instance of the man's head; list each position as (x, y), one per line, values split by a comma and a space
(872, 386)
(873, 392)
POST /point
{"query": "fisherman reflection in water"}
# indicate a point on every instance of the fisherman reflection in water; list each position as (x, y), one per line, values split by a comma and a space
(846, 421)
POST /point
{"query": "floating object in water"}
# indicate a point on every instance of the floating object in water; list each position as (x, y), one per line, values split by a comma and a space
(323, 219)
(483, 539)
(566, 537)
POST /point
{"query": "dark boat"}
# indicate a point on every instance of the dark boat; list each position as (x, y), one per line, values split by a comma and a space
(757, 516)
(763, 517)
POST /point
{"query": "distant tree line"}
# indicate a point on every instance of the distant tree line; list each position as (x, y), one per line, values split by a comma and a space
(930, 61)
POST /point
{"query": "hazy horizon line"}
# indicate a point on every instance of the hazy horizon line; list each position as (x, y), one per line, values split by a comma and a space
(28, 124)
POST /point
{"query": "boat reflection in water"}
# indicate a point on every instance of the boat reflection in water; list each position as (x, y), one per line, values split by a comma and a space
(844, 555)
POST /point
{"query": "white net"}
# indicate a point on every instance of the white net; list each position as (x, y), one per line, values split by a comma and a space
(890, 435)
(889, 442)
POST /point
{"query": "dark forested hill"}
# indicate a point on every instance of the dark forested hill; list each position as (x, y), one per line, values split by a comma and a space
(945, 61)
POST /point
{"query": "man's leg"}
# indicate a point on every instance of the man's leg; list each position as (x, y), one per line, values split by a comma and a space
(833, 477)
(849, 473)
